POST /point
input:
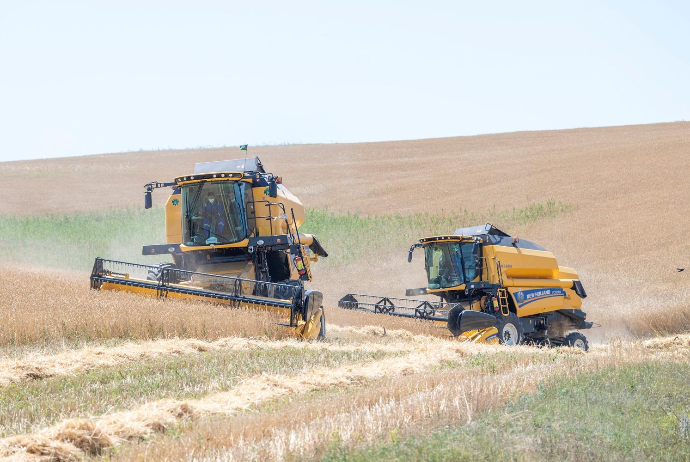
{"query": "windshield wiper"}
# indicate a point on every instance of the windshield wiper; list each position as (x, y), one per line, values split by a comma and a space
(462, 264)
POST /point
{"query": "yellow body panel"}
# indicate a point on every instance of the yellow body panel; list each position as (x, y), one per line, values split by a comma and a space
(488, 335)
(541, 300)
(173, 219)
(567, 273)
(523, 263)
(269, 217)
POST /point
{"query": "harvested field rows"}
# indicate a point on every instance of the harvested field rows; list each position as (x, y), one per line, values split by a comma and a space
(76, 437)
(31, 406)
(481, 379)
(457, 395)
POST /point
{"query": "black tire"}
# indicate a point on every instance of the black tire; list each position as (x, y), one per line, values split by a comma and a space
(322, 326)
(510, 330)
(453, 318)
(287, 289)
(155, 273)
(576, 340)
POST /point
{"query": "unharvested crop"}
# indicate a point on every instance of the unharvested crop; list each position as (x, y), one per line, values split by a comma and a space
(50, 309)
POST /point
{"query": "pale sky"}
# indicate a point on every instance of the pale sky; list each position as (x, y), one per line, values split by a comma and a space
(96, 76)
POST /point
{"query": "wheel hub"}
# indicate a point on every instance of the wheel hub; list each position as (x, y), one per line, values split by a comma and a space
(510, 335)
(579, 344)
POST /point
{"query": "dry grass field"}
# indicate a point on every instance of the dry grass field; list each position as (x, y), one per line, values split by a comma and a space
(86, 374)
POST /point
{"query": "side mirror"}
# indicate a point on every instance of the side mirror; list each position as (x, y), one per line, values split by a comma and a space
(273, 188)
(475, 248)
(409, 255)
(148, 201)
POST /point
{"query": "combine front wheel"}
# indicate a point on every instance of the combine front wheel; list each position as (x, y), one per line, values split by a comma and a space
(509, 330)
(576, 340)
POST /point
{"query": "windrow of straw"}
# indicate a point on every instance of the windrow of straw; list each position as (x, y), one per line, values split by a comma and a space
(36, 366)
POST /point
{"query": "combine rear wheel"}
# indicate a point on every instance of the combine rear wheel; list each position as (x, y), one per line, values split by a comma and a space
(509, 330)
(576, 340)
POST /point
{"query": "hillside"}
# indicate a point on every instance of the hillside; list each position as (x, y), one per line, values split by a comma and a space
(88, 373)
(626, 234)
(593, 167)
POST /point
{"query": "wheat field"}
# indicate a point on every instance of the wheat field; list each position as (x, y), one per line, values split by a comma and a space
(87, 374)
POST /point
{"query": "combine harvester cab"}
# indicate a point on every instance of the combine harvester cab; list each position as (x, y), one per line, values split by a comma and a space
(232, 231)
(493, 288)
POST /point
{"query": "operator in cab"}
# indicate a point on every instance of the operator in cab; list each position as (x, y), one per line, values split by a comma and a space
(214, 216)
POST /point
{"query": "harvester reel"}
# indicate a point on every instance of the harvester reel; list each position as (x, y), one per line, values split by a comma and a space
(425, 310)
(385, 306)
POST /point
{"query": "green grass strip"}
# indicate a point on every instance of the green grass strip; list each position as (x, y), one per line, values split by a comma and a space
(73, 241)
(351, 237)
(637, 412)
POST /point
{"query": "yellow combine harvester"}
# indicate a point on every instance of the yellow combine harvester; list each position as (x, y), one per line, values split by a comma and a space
(232, 232)
(493, 287)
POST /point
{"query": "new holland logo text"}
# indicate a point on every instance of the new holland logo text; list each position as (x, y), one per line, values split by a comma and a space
(524, 297)
(539, 293)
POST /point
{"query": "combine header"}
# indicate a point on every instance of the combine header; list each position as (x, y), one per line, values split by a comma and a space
(232, 232)
(493, 288)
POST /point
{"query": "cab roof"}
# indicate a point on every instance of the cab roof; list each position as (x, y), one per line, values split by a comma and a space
(492, 235)
(248, 165)
(482, 230)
